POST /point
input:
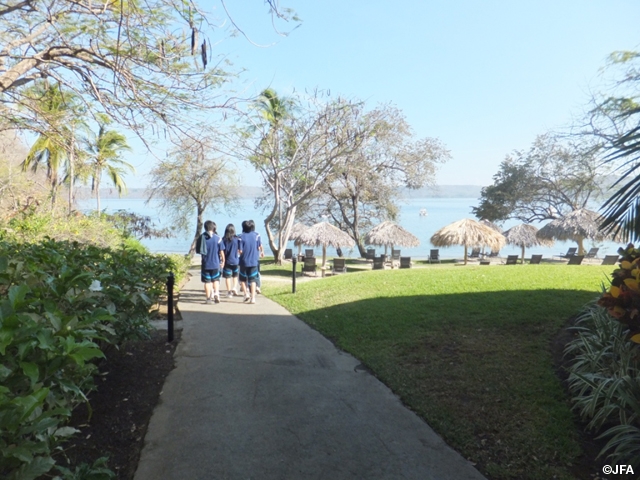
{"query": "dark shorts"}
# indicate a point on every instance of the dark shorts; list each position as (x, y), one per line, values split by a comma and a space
(208, 276)
(230, 271)
(248, 274)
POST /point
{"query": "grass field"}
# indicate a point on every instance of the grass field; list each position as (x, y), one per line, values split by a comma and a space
(467, 348)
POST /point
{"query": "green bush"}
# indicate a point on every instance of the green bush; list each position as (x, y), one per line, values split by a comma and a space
(62, 304)
(604, 379)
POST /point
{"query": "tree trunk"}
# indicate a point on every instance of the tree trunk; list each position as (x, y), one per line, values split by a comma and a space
(522, 254)
(580, 246)
(199, 226)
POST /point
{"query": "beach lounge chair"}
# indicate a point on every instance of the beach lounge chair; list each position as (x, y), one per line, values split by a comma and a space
(512, 259)
(308, 252)
(576, 260)
(288, 254)
(371, 254)
(494, 253)
(570, 253)
(309, 265)
(378, 263)
(405, 262)
(535, 260)
(434, 255)
(475, 253)
(610, 260)
(593, 253)
(339, 265)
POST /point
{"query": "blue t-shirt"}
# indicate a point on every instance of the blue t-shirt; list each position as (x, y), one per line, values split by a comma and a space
(249, 243)
(211, 259)
(231, 251)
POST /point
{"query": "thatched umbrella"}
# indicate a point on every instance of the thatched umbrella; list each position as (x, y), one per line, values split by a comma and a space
(296, 231)
(325, 234)
(524, 236)
(390, 234)
(578, 225)
(468, 233)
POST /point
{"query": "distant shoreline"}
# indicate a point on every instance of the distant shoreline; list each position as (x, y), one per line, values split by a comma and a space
(437, 191)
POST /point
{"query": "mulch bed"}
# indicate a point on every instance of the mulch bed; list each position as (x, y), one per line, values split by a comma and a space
(128, 389)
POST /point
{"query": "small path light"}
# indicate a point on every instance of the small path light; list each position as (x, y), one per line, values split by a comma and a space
(293, 278)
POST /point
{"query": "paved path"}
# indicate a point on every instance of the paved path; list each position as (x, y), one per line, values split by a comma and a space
(257, 394)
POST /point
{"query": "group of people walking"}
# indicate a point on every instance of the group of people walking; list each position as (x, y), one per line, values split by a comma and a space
(232, 257)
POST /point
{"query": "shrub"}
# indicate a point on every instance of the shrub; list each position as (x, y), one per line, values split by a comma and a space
(604, 379)
(62, 304)
(622, 300)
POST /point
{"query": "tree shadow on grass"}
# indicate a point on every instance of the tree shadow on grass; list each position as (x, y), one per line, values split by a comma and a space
(477, 367)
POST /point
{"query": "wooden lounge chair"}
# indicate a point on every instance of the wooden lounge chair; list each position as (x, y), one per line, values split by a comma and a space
(570, 253)
(405, 262)
(593, 253)
(309, 265)
(610, 259)
(494, 253)
(288, 254)
(576, 260)
(378, 263)
(512, 259)
(475, 253)
(535, 260)
(308, 252)
(339, 265)
(434, 255)
(371, 254)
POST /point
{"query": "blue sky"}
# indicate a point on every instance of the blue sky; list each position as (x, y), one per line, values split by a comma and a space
(483, 77)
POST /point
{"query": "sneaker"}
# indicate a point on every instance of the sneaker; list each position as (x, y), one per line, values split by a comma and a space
(229, 294)
(246, 299)
(258, 290)
(209, 301)
(253, 300)
(234, 293)
(216, 299)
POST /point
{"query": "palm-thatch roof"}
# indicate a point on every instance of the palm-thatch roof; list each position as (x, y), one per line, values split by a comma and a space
(468, 233)
(578, 225)
(296, 230)
(325, 234)
(524, 236)
(490, 224)
(389, 233)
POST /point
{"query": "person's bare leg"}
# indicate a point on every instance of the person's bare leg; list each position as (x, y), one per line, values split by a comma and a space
(216, 291)
(208, 290)
(253, 292)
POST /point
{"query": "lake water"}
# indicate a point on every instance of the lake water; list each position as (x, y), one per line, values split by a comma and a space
(441, 212)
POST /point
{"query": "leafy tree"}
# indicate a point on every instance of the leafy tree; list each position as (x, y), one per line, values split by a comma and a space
(104, 150)
(366, 187)
(192, 179)
(296, 150)
(546, 182)
(145, 64)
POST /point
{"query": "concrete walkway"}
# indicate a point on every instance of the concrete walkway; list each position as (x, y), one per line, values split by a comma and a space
(257, 394)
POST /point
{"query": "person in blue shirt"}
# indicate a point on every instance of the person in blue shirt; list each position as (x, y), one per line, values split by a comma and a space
(250, 253)
(211, 248)
(231, 268)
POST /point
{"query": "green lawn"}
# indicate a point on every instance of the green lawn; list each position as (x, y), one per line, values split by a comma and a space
(467, 348)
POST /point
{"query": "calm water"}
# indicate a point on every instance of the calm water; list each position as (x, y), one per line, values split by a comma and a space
(441, 212)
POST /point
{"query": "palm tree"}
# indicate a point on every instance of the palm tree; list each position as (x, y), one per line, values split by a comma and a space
(105, 150)
(55, 145)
